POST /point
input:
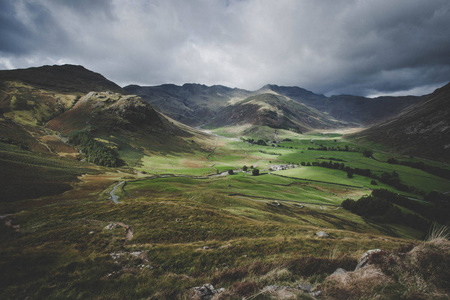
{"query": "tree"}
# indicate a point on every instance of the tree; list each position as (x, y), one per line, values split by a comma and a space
(245, 168)
(255, 172)
(367, 153)
(350, 174)
(230, 172)
(348, 204)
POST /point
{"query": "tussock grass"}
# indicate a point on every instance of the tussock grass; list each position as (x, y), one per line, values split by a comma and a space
(420, 273)
(437, 232)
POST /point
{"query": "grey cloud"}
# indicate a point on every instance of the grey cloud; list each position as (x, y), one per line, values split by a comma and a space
(359, 47)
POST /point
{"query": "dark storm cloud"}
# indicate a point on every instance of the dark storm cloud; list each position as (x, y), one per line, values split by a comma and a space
(15, 35)
(361, 47)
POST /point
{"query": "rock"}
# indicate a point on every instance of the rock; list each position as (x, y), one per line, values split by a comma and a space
(136, 253)
(111, 226)
(305, 287)
(365, 258)
(315, 294)
(206, 291)
(322, 234)
(339, 271)
(205, 247)
(91, 232)
(286, 292)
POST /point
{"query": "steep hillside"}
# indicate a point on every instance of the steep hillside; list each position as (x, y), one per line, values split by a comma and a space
(125, 123)
(275, 111)
(348, 108)
(367, 111)
(421, 130)
(63, 79)
(191, 104)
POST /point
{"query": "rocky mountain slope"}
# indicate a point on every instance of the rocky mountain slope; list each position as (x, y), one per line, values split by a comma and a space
(191, 104)
(195, 104)
(420, 130)
(348, 108)
(276, 111)
(124, 122)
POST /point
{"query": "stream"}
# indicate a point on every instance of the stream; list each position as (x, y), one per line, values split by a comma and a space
(114, 197)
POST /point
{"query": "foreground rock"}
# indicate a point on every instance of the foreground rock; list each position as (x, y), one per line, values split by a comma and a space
(420, 272)
(365, 258)
(205, 292)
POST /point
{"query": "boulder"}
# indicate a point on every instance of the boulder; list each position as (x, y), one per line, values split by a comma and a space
(363, 261)
(206, 291)
(339, 271)
(322, 234)
(305, 287)
(111, 226)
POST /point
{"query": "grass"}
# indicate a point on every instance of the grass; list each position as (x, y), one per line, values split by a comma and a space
(172, 232)
(30, 175)
(239, 232)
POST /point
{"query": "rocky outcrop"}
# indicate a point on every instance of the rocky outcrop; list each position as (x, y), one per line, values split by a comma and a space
(205, 292)
(363, 261)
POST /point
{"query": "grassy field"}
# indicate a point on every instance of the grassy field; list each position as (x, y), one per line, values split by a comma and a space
(180, 224)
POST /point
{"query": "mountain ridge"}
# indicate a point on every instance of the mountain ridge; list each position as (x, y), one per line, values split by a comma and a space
(187, 103)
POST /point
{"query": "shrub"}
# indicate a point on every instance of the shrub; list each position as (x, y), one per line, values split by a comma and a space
(255, 172)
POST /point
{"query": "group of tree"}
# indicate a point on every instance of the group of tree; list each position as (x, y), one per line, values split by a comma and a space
(255, 172)
(94, 151)
(378, 209)
(382, 205)
(440, 207)
(443, 173)
(269, 153)
(389, 178)
(260, 142)
(325, 148)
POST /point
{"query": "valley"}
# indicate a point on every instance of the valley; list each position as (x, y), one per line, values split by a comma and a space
(105, 196)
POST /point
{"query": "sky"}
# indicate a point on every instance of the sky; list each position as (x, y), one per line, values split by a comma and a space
(359, 47)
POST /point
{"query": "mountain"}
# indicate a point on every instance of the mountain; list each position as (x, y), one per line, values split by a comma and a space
(276, 111)
(44, 110)
(355, 109)
(195, 104)
(367, 111)
(420, 130)
(191, 104)
(123, 122)
(63, 79)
